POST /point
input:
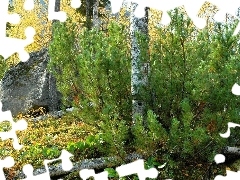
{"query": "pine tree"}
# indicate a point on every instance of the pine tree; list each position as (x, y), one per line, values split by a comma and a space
(187, 97)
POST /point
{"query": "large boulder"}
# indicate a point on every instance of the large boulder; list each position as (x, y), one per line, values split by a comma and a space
(29, 85)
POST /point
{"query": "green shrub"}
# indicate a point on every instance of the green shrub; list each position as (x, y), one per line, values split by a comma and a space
(188, 94)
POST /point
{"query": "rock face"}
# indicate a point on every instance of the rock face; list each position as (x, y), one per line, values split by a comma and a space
(29, 85)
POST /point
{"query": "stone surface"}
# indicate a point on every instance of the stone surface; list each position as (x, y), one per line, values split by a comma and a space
(29, 85)
(97, 163)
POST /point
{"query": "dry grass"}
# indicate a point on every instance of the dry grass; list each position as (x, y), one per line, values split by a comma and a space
(43, 140)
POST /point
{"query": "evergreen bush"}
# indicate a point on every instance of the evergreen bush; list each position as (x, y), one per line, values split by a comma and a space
(188, 94)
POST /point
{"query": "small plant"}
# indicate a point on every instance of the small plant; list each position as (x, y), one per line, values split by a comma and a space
(112, 173)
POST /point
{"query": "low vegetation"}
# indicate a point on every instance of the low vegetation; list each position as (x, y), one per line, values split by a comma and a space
(45, 140)
(188, 98)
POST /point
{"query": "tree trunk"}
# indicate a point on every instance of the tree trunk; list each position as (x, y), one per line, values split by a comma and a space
(138, 77)
(95, 14)
(51, 80)
(88, 14)
(56, 9)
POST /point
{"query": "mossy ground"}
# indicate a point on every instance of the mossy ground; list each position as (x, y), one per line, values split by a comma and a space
(43, 140)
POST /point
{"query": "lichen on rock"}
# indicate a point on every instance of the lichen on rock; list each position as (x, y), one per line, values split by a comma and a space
(30, 84)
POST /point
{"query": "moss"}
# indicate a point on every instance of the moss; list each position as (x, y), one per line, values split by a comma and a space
(235, 166)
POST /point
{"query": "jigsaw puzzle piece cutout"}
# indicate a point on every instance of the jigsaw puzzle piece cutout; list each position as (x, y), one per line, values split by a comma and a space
(5, 163)
(28, 171)
(65, 158)
(191, 8)
(140, 9)
(219, 158)
(16, 126)
(66, 166)
(230, 7)
(230, 125)
(8, 45)
(236, 89)
(116, 5)
(231, 175)
(165, 6)
(75, 3)
(226, 8)
(87, 173)
(19, 45)
(6, 17)
(13, 18)
(60, 15)
(28, 5)
(137, 167)
(53, 15)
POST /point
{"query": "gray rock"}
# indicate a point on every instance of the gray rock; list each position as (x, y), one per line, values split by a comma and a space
(29, 85)
(54, 114)
(97, 163)
(57, 114)
(70, 109)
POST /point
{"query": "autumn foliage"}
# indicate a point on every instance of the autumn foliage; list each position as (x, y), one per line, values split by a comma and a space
(38, 19)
